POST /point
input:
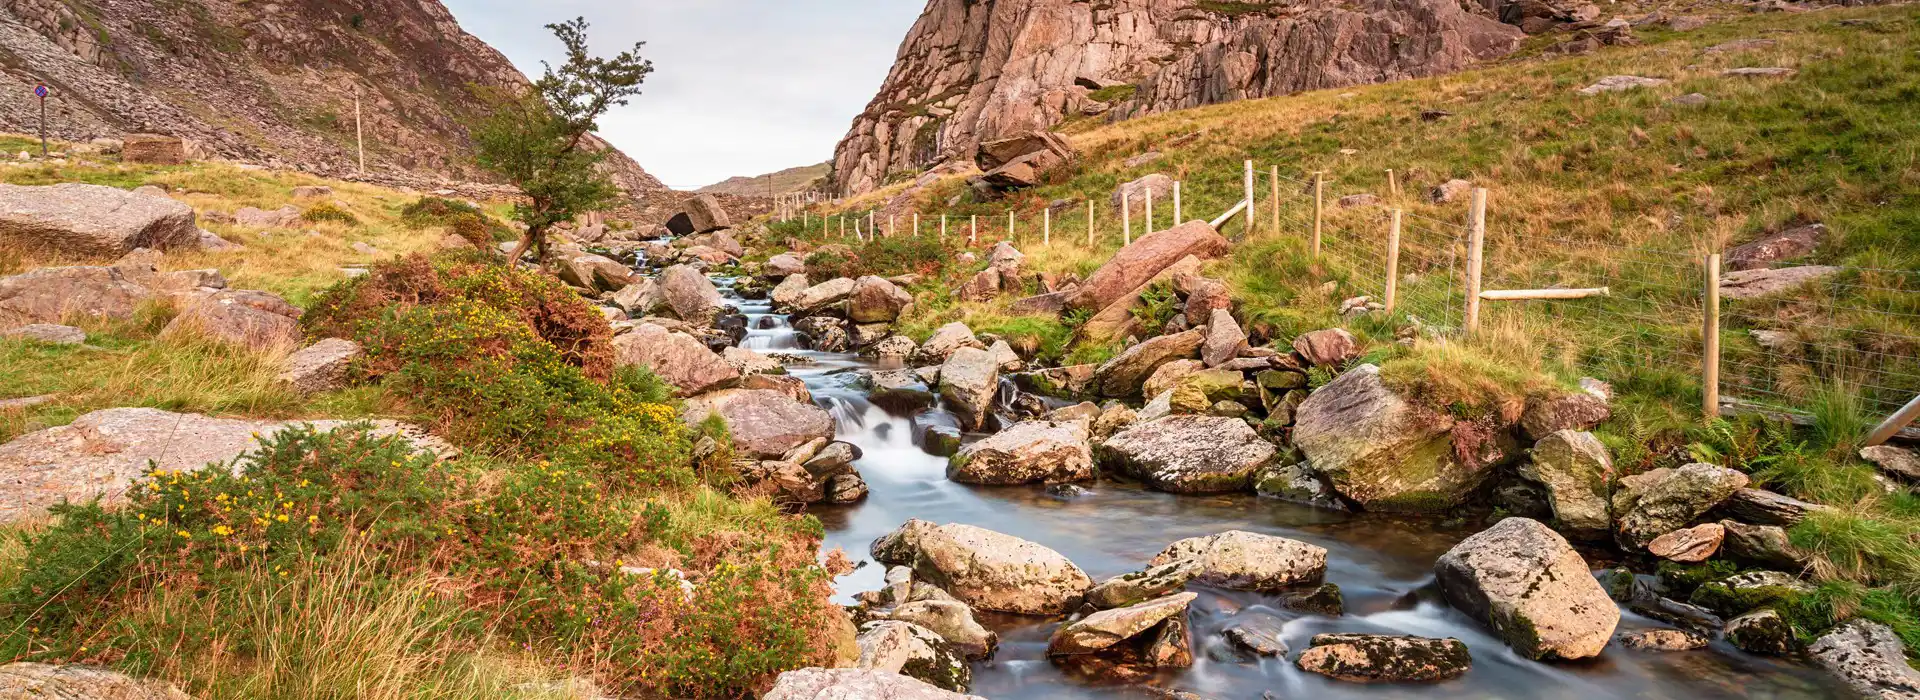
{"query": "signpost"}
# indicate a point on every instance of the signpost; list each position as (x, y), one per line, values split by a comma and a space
(40, 91)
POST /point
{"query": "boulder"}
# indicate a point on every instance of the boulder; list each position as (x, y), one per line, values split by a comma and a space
(690, 295)
(821, 295)
(1894, 461)
(1621, 83)
(246, 318)
(78, 220)
(1664, 640)
(311, 191)
(1379, 658)
(1124, 375)
(969, 380)
(1753, 284)
(49, 333)
(321, 366)
(1546, 415)
(793, 387)
(1769, 508)
(986, 569)
(855, 684)
(1156, 581)
(1224, 339)
(1383, 452)
(1140, 262)
(1450, 191)
(1688, 545)
(1296, 483)
(676, 358)
(1256, 631)
(1105, 629)
(1029, 452)
(23, 680)
(822, 333)
(953, 621)
(680, 224)
(639, 298)
(594, 273)
(1005, 259)
(913, 651)
(1135, 193)
(1748, 591)
(103, 452)
(944, 341)
(1333, 347)
(875, 300)
(153, 149)
(704, 214)
(748, 362)
(998, 152)
(1795, 242)
(1646, 506)
(1764, 632)
(1189, 454)
(1761, 545)
(1870, 658)
(1168, 376)
(1204, 295)
(764, 424)
(1248, 561)
(261, 218)
(784, 265)
(845, 489)
(55, 294)
(1577, 472)
(1202, 391)
(788, 291)
(1522, 580)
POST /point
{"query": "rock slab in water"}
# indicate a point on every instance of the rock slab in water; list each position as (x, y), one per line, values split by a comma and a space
(1378, 658)
(74, 682)
(986, 569)
(969, 380)
(1870, 658)
(1522, 580)
(1189, 454)
(1664, 640)
(1156, 581)
(79, 220)
(952, 620)
(1029, 452)
(1104, 629)
(102, 453)
(913, 651)
(765, 424)
(1248, 561)
(855, 684)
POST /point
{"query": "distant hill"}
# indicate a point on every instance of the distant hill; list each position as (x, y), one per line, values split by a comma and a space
(782, 182)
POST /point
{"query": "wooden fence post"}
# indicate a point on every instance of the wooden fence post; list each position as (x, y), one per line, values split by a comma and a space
(1273, 197)
(1149, 227)
(890, 229)
(916, 224)
(1011, 237)
(843, 227)
(943, 227)
(1046, 227)
(1247, 182)
(1393, 185)
(1089, 222)
(1710, 335)
(1126, 218)
(1319, 210)
(1476, 256)
(1393, 262)
(1177, 217)
(973, 235)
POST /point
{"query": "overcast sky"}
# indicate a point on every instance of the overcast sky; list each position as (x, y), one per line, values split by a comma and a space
(740, 87)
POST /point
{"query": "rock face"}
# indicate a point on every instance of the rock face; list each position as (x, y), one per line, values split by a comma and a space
(1870, 658)
(31, 680)
(1523, 581)
(1189, 454)
(1376, 658)
(101, 453)
(77, 220)
(855, 684)
(764, 423)
(676, 358)
(1248, 561)
(1379, 450)
(970, 72)
(986, 569)
(1029, 452)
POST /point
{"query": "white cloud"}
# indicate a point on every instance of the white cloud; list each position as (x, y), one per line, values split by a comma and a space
(740, 87)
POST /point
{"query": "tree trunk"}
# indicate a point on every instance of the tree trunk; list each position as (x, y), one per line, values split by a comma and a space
(531, 237)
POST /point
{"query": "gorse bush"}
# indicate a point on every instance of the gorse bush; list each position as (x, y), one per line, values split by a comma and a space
(884, 257)
(458, 217)
(320, 213)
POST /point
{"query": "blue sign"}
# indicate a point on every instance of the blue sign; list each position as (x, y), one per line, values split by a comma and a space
(40, 91)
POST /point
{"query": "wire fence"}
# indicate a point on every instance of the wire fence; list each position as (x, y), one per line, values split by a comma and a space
(1777, 336)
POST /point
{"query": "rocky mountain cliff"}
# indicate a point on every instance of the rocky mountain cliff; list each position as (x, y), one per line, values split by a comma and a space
(270, 82)
(974, 70)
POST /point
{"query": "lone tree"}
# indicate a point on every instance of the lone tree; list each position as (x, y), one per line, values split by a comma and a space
(537, 138)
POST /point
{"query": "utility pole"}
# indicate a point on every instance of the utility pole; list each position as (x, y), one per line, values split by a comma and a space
(359, 130)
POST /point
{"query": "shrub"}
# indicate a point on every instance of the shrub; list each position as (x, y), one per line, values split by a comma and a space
(328, 211)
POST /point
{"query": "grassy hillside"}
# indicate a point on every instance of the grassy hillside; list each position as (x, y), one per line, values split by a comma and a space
(1627, 190)
(774, 183)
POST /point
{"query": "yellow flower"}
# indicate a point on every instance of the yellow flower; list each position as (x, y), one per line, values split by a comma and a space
(222, 530)
(313, 519)
(281, 517)
(184, 533)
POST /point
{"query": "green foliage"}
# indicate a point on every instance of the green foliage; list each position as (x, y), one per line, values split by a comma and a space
(1680, 579)
(325, 212)
(1158, 304)
(1113, 93)
(1041, 338)
(460, 218)
(539, 140)
(883, 257)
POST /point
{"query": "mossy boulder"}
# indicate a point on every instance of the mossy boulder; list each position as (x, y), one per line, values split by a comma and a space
(1522, 580)
(1386, 453)
(1188, 454)
(1762, 631)
(1747, 591)
(1376, 658)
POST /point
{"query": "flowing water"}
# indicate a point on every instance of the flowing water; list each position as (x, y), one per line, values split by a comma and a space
(1382, 565)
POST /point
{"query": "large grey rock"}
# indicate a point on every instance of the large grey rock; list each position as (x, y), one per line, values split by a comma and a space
(1378, 658)
(705, 214)
(1128, 589)
(246, 318)
(690, 295)
(1029, 452)
(1768, 508)
(78, 220)
(1134, 195)
(1332, 347)
(821, 295)
(1125, 375)
(1745, 591)
(1894, 461)
(785, 265)
(1577, 472)
(1785, 245)
(1646, 506)
(321, 366)
(1522, 580)
(1138, 263)
(1107, 628)
(968, 382)
(875, 300)
(1248, 561)
(102, 453)
(50, 333)
(1753, 284)
(1224, 339)
(594, 273)
(788, 291)
(1546, 415)
(57, 294)
(913, 651)
(676, 358)
(24, 680)
(640, 298)
(986, 569)
(764, 423)
(1761, 545)
(944, 341)
(1763, 632)
(855, 684)
(1189, 454)
(1380, 450)
(953, 621)
(1870, 658)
